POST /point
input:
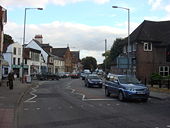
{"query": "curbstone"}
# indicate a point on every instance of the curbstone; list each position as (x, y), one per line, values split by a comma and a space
(18, 103)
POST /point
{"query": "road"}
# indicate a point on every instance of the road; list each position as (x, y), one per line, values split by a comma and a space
(67, 103)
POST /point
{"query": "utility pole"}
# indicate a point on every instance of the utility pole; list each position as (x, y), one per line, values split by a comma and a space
(105, 52)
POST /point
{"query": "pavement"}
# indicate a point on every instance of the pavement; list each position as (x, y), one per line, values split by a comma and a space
(10, 100)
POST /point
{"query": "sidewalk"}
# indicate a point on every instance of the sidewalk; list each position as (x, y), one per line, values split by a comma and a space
(9, 100)
(159, 93)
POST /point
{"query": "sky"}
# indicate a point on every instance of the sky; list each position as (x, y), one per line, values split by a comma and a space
(80, 24)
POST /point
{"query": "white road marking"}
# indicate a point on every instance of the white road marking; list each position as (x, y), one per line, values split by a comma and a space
(30, 100)
(168, 126)
(38, 108)
(83, 95)
(26, 109)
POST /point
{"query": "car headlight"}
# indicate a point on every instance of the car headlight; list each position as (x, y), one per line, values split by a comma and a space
(131, 89)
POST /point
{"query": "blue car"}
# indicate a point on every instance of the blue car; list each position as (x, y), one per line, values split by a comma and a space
(93, 80)
(126, 87)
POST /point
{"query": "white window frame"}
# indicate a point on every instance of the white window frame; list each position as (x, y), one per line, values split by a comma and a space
(124, 49)
(134, 46)
(147, 46)
(164, 71)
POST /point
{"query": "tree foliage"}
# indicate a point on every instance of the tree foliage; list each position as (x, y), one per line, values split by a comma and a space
(8, 39)
(89, 63)
(115, 51)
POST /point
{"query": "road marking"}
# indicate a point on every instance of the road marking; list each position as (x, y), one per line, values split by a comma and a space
(25, 109)
(168, 126)
(83, 95)
(30, 100)
(38, 108)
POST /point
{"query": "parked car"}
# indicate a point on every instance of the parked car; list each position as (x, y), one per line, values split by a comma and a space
(74, 75)
(126, 87)
(93, 80)
(84, 75)
(47, 76)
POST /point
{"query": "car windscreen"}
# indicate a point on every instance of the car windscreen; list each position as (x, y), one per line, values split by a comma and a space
(93, 77)
(128, 80)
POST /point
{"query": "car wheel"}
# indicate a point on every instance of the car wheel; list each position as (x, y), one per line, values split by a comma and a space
(121, 96)
(107, 93)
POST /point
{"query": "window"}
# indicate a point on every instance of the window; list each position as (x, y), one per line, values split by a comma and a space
(15, 51)
(124, 49)
(168, 54)
(19, 51)
(164, 70)
(134, 46)
(19, 61)
(147, 46)
(25, 61)
(14, 61)
(6, 71)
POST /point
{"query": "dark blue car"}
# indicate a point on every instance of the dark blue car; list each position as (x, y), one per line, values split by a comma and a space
(93, 80)
(126, 87)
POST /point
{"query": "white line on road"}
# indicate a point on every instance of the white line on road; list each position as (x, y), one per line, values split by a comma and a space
(30, 100)
(168, 126)
(83, 95)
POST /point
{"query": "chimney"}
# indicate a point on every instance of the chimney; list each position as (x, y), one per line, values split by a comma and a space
(39, 38)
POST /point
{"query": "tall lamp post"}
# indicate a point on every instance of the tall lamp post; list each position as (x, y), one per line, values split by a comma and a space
(128, 33)
(25, 15)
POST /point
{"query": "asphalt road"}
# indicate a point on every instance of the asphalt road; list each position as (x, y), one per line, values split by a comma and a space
(67, 103)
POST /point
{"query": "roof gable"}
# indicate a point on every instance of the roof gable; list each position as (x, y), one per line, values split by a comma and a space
(152, 31)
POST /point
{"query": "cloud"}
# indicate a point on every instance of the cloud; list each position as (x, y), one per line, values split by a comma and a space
(155, 4)
(43, 3)
(60, 34)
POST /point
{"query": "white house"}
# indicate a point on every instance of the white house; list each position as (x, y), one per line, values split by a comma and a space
(32, 58)
(34, 44)
(13, 56)
(58, 64)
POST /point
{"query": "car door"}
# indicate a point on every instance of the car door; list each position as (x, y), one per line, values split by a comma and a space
(115, 86)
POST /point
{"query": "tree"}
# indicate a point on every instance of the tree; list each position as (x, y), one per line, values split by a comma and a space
(89, 63)
(115, 51)
(117, 48)
(8, 39)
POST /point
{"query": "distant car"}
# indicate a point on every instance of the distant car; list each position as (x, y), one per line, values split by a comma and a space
(93, 80)
(47, 76)
(74, 75)
(126, 87)
(84, 75)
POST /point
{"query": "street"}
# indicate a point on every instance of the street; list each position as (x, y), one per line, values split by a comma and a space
(67, 103)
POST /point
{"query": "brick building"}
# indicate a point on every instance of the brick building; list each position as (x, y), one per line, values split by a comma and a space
(149, 50)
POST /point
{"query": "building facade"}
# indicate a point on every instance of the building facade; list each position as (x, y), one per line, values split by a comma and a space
(13, 55)
(3, 20)
(149, 50)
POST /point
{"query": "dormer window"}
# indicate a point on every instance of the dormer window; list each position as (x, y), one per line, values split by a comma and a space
(147, 46)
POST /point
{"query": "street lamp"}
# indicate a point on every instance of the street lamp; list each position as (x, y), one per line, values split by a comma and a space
(24, 39)
(128, 33)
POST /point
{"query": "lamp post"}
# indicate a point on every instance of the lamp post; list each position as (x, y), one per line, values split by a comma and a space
(24, 39)
(128, 33)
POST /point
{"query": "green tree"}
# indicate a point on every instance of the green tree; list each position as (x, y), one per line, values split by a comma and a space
(89, 63)
(8, 39)
(115, 51)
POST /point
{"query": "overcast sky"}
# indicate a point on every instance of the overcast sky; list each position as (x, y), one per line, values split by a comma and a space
(81, 24)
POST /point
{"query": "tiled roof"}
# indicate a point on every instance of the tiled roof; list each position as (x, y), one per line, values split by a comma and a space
(157, 32)
(59, 51)
(76, 54)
